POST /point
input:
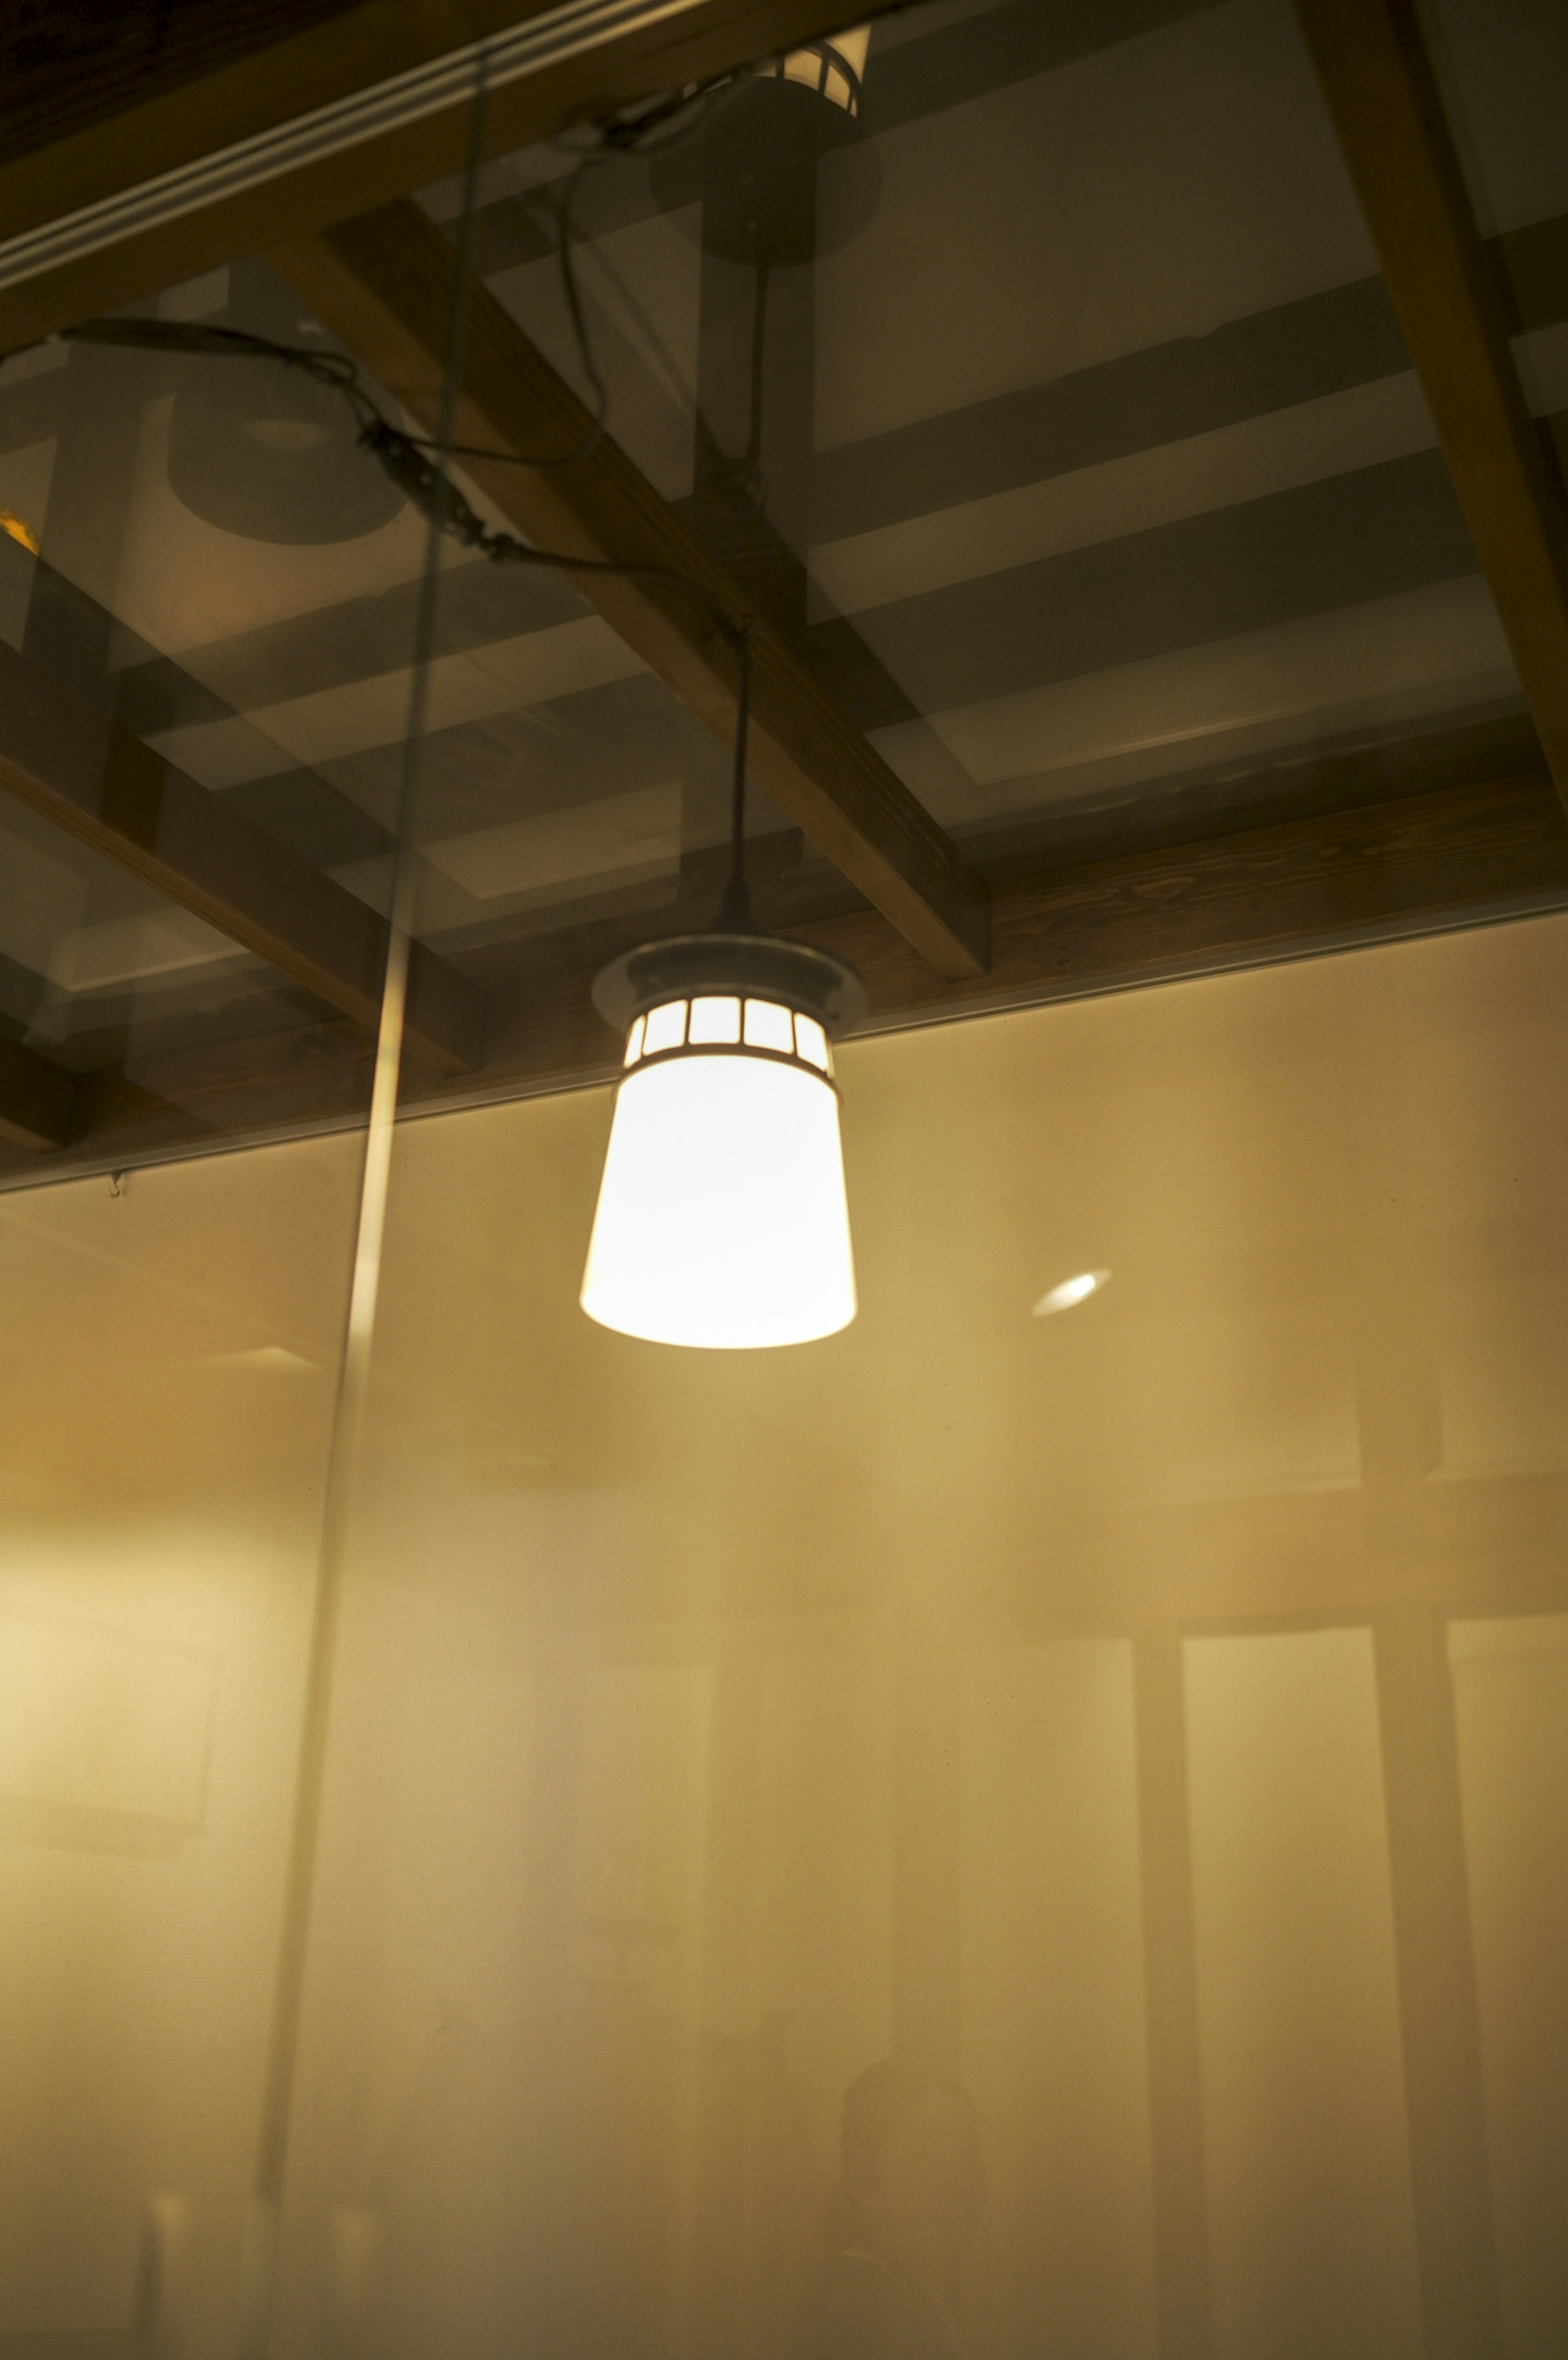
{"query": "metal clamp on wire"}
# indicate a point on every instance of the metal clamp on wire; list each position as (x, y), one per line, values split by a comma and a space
(423, 483)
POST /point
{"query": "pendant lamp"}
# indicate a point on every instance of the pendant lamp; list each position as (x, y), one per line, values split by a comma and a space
(834, 68)
(746, 183)
(722, 1218)
(269, 453)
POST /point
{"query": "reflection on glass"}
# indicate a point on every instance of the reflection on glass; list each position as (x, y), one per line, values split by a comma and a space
(811, 1042)
(961, 1836)
(903, 2219)
(709, 1737)
(834, 68)
(1071, 1291)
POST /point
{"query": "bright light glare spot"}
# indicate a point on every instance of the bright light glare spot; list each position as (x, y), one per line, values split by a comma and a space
(1071, 1291)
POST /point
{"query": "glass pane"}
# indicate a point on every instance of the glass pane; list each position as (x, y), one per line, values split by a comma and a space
(1308, 2181)
(1510, 1677)
(173, 1339)
(192, 913)
(1053, 409)
(1033, 1823)
(715, 1020)
(811, 1042)
(768, 1027)
(228, 582)
(719, 1739)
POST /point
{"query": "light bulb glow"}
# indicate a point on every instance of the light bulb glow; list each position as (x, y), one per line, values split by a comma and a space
(768, 1026)
(811, 1042)
(722, 1219)
(714, 1021)
(1071, 1291)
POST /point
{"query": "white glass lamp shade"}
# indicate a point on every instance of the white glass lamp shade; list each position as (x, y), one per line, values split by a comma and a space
(722, 1219)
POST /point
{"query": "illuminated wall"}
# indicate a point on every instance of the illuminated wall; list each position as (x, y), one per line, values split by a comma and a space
(1149, 1717)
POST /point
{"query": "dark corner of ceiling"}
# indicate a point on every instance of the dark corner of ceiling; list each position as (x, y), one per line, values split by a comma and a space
(69, 65)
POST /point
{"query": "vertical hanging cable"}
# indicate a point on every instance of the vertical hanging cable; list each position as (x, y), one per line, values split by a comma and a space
(353, 1373)
(734, 910)
(759, 360)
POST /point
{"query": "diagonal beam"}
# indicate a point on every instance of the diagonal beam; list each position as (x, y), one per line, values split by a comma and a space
(38, 1100)
(1382, 94)
(109, 791)
(383, 284)
(258, 141)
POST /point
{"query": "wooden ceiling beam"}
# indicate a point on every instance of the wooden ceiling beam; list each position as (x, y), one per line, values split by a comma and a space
(1377, 873)
(1383, 96)
(237, 100)
(1466, 856)
(383, 285)
(38, 1100)
(114, 794)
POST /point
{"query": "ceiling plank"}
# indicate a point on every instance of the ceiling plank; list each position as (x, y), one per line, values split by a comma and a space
(382, 284)
(357, 50)
(1420, 864)
(38, 1100)
(111, 791)
(1382, 94)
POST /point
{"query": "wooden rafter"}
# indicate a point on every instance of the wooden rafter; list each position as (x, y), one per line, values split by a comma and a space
(111, 791)
(1411, 866)
(238, 99)
(1382, 92)
(383, 284)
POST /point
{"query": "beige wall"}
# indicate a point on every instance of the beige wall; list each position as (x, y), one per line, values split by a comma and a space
(708, 1726)
(169, 1366)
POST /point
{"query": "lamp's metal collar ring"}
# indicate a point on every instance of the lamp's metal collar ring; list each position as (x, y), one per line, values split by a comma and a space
(757, 966)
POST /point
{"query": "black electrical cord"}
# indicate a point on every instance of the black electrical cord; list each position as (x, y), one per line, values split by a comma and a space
(406, 459)
(333, 369)
(436, 497)
(616, 138)
(734, 910)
